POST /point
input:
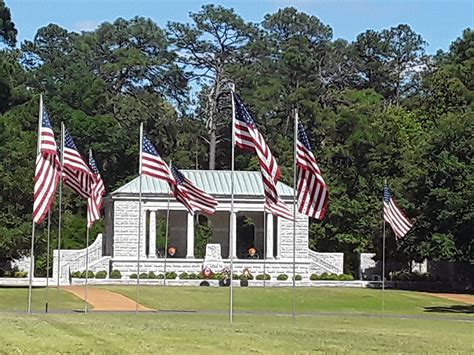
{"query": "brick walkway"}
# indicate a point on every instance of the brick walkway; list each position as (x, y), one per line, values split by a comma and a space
(103, 300)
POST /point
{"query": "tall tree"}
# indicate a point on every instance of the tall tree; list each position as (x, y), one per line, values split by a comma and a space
(8, 31)
(207, 47)
(392, 60)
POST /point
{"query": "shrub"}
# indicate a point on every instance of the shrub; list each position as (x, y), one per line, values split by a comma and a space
(151, 275)
(184, 276)
(346, 277)
(282, 277)
(325, 276)
(160, 276)
(76, 274)
(298, 278)
(171, 275)
(20, 274)
(102, 274)
(90, 275)
(133, 276)
(263, 277)
(192, 276)
(410, 276)
(143, 275)
(115, 274)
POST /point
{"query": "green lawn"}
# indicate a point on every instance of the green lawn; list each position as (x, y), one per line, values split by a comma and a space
(154, 333)
(308, 300)
(443, 332)
(15, 299)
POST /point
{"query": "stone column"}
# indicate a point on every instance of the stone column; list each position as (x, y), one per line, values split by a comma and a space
(143, 234)
(152, 231)
(190, 237)
(278, 256)
(269, 236)
(233, 235)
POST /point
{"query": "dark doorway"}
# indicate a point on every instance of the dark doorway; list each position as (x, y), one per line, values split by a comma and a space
(245, 235)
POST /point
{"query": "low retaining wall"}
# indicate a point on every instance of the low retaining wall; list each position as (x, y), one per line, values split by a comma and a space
(252, 283)
(271, 267)
(25, 282)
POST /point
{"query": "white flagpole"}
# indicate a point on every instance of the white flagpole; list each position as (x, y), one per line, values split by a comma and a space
(60, 216)
(86, 307)
(231, 224)
(383, 255)
(264, 248)
(139, 215)
(293, 313)
(167, 231)
(47, 261)
(32, 266)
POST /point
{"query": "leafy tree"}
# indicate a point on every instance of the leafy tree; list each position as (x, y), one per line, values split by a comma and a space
(391, 60)
(207, 47)
(8, 31)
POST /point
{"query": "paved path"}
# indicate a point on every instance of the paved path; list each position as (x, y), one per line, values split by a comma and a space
(469, 299)
(104, 300)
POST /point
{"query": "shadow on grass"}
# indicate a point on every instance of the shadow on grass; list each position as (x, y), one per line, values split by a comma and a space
(451, 309)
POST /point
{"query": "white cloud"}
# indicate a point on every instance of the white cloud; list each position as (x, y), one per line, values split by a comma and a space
(85, 25)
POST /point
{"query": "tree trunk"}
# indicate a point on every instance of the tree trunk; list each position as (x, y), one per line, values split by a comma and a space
(212, 148)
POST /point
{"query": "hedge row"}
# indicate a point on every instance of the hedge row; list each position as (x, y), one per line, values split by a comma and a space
(102, 274)
(13, 273)
(331, 277)
(115, 274)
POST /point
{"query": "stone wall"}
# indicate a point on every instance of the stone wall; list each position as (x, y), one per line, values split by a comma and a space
(75, 260)
(330, 263)
(126, 229)
(285, 230)
(271, 267)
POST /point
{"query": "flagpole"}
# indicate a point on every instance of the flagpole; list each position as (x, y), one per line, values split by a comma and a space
(383, 256)
(231, 226)
(38, 151)
(60, 216)
(139, 215)
(87, 268)
(167, 231)
(293, 312)
(47, 260)
(264, 249)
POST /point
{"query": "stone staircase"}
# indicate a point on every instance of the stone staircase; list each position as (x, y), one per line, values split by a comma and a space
(75, 260)
(331, 263)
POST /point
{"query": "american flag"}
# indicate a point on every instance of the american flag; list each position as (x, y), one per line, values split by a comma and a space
(394, 216)
(152, 164)
(312, 191)
(48, 169)
(192, 197)
(94, 202)
(76, 173)
(248, 137)
(278, 209)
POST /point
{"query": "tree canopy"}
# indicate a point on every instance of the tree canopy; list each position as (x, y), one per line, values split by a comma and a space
(376, 108)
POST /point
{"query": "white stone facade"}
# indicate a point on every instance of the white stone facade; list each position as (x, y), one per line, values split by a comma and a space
(271, 236)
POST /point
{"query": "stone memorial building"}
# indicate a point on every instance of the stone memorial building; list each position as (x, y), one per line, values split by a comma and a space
(269, 238)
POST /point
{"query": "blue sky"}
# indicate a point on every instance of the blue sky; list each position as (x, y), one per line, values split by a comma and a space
(438, 21)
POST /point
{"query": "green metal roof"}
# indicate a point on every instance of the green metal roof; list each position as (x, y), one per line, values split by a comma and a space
(215, 182)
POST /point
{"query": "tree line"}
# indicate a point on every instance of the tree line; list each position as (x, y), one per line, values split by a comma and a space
(376, 108)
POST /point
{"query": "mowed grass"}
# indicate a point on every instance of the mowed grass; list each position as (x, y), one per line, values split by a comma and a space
(308, 300)
(344, 330)
(209, 334)
(15, 299)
